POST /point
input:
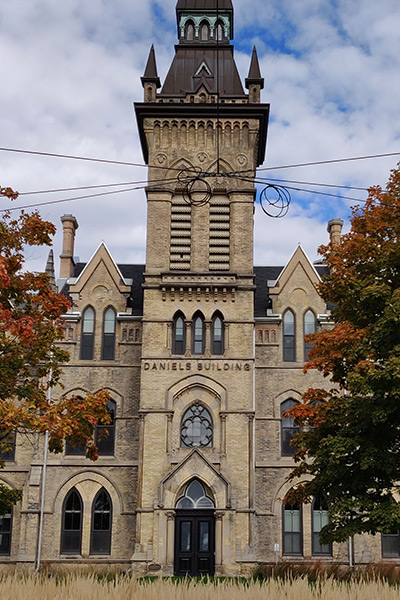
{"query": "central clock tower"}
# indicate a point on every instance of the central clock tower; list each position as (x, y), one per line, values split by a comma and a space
(202, 137)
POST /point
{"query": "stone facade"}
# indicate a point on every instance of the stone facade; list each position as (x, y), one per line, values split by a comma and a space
(199, 265)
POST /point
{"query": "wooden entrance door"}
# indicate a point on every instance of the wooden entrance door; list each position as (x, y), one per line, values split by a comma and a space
(194, 543)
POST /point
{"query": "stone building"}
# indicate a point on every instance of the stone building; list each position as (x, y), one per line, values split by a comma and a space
(200, 350)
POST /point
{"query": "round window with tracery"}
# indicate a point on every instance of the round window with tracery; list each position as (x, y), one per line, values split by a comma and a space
(196, 427)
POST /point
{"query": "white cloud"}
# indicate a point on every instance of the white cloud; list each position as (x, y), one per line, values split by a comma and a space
(71, 70)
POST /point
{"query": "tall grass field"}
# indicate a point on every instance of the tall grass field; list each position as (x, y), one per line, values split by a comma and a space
(17, 587)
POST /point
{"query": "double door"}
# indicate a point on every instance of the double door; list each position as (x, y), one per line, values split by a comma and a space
(194, 542)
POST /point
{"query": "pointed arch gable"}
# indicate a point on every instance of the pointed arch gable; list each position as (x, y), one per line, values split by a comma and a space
(199, 381)
(194, 466)
(78, 481)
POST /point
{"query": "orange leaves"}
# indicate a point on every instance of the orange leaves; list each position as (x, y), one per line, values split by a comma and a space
(9, 193)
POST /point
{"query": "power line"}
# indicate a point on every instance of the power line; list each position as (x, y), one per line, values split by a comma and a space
(327, 162)
(330, 185)
(76, 198)
(92, 187)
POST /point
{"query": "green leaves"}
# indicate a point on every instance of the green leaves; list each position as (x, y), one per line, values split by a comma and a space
(353, 449)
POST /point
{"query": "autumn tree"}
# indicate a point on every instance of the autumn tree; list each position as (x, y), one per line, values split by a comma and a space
(30, 360)
(350, 439)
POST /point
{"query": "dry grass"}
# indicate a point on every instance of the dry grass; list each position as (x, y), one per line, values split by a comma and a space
(19, 587)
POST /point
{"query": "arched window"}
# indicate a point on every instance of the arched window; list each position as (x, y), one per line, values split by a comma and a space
(204, 32)
(217, 335)
(320, 518)
(179, 335)
(196, 427)
(288, 428)
(219, 32)
(87, 336)
(189, 31)
(292, 529)
(309, 327)
(7, 447)
(198, 334)
(105, 445)
(5, 533)
(195, 497)
(289, 338)
(108, 347)
(71, 531)
(100, 534)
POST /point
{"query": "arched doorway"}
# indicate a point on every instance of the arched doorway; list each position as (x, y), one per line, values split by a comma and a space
(194, 532)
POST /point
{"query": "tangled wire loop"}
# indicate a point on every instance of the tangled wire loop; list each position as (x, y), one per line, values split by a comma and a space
(275, 205)
(197, 190)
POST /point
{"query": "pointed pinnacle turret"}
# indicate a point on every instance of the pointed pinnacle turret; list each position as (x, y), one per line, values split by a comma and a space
(150, 72)
(50, 272)
(254, 76)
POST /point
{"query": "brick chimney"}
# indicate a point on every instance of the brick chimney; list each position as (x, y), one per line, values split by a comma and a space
(70, 225)
(335, 230)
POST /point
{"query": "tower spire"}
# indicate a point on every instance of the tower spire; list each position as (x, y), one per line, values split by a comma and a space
(254, 82)
(150, 80)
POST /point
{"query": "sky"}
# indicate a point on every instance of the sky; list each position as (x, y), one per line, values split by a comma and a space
(70, 72)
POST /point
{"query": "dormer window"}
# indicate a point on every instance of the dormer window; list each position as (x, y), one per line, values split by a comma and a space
(204, 32)
(189, 34)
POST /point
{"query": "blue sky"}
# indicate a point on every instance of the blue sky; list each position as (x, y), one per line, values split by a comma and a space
(71, 70)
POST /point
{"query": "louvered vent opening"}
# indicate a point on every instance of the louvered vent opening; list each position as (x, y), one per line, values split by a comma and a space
(219, 235)
(181, 229)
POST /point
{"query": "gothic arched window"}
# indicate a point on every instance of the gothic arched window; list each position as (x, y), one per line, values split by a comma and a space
(5, 533)
(219, 32)
(198, 334)
(7, 446)
(189, 31)
(217, 334)
(195, 497)
(105, 445)
(309, 327)
(196, 427)
(179, 334)
(288, 428)
(71, 530)
(391, 542)
(292, 529)
(87, 335)
(289, 338)
(100, 534)
(108, 346)
(319, 518)
(204, 31)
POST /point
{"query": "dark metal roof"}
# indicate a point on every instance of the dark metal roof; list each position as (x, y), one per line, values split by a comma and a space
(150, 72)
(261, 294)
(134, 272)
(254, 75)
(204, 5)
(182, 79)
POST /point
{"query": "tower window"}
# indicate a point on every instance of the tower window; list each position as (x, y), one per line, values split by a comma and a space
(198, 335)
(292, 529)
(189, 31)
(320, 518)
(204, 32)
(217, 335)
(5, 533)
(179, 335)
(71, 532)
(100, 535)
(108, 347)
(288, 428)
(87, 337)
(219, 31)
(196, 427)
(309, 327)
(289, 338)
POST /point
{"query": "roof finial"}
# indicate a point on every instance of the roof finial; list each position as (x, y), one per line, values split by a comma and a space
(254, 76)
(50, 272)
(150, 72)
